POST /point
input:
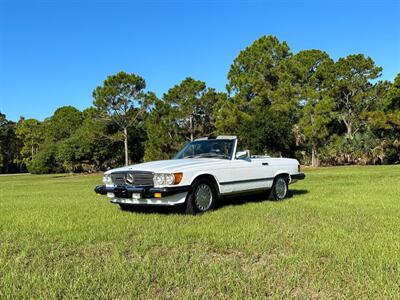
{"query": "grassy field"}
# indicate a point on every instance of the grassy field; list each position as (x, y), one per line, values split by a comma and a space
(338, 236)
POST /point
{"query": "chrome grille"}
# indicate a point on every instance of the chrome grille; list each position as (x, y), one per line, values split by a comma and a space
(132, 178)
(118, 178)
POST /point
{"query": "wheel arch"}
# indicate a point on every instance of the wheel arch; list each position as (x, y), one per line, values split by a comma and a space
(283, 174)
(209, 177)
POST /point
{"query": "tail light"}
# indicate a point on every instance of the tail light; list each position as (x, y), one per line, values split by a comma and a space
(298, 168)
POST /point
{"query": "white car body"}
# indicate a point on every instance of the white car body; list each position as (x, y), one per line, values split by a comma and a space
(231, 176)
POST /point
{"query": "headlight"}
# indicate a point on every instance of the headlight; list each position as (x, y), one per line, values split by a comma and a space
(159, 179)
(107, 179)
(167, 179)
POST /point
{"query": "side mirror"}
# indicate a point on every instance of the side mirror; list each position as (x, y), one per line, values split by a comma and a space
(242, 154)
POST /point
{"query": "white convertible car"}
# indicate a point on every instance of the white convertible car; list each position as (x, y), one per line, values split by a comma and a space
(203, 172)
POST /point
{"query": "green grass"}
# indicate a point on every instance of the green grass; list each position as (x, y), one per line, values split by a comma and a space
(337, 237)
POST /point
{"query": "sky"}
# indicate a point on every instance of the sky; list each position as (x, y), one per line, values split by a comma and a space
(55, 52)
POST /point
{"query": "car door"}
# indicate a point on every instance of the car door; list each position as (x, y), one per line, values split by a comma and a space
(248, 174)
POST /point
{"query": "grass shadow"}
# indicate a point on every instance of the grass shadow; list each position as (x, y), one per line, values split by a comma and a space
(229, 201)
(255, 198)
(63, 175)
(292, 193)
(163, 210)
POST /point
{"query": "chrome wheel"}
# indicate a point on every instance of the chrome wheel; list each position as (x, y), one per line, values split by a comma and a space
(203, 197)
(280, 188)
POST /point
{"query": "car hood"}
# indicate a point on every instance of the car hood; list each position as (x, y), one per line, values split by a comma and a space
(172, 165)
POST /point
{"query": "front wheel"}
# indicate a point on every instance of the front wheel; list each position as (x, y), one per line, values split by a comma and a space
(201, 198)
(279, 189)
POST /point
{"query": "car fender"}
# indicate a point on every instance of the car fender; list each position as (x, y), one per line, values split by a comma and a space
(208, 174)
(282, 172)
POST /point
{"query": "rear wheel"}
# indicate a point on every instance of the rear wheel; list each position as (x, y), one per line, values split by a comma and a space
(280, 188)
(201, 198)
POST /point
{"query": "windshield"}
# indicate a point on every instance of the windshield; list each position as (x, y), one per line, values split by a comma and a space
(207, 148)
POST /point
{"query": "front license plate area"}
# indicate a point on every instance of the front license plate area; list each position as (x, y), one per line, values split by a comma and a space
(121, 192)
(136, 196)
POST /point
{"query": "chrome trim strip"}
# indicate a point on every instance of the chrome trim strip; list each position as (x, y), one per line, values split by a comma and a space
(247, 180)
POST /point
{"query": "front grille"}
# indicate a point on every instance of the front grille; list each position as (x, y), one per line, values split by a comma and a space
(118, 178)
(132, 178)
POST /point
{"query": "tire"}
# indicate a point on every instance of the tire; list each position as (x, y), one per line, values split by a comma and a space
(201, 198)
(279, 189)
(126, 207)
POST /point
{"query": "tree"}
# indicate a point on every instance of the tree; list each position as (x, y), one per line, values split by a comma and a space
(262, 107)
(384, 117)
(95, 149)
(57, 130)
(206, 121)
(30, 132)
(9, 147)
(255, 72)
(85, 150)
(44, 140)
(385, 112)
(227, 116)
(353, 89)
(162, 131)
(45, 161)
(62, 124)
(313, 69)
(392, 101)
(121, 99)
(189, 106)
(184, 113)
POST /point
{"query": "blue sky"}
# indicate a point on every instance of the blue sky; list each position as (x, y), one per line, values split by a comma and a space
(54, 53)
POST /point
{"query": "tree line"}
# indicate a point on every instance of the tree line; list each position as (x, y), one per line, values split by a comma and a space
(303, 105)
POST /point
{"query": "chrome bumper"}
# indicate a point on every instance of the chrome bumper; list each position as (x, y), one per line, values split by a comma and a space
(144, 195)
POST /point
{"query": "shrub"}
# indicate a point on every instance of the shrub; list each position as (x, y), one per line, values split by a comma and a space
(45, 161)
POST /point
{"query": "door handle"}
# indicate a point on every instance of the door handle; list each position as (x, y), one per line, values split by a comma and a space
(265, 164)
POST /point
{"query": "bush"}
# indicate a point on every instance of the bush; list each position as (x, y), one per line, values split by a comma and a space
(392, 156)
(45, 161)
(363, 148)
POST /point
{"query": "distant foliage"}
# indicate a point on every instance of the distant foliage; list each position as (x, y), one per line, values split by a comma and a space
(303, 105)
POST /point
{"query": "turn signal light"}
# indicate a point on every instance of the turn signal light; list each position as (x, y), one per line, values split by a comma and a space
(157, 195)
(178, 177)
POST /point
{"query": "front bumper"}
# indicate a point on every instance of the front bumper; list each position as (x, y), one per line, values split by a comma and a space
(144, 195)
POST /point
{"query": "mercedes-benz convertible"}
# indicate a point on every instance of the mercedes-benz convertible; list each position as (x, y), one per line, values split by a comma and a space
(205, 171)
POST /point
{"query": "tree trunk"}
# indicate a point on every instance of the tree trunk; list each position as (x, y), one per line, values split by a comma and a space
(126, 146)
(314, 156)
(349, 123)
(32, 150)
(350, 129)
(191, 127)
(349, 126)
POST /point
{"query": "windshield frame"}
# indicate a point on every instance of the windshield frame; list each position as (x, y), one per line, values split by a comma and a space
(229, 157)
